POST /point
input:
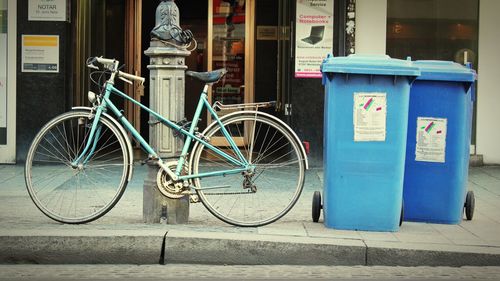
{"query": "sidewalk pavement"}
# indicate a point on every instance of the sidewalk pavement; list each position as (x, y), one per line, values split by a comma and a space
(120, 237)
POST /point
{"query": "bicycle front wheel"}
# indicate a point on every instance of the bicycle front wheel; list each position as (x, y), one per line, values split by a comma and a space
(258, 197)
(76, 194)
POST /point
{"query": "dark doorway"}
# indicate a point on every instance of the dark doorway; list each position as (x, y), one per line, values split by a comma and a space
(272, 53)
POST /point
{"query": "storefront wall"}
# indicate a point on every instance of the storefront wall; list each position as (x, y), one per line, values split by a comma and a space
(488, 115)
(40, 95)
(306, 95)
(7, 81)
(371, 37)
(371, 26)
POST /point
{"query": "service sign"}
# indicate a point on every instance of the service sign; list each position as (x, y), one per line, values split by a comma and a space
(313, 36)
(47, 10)
(40, 53)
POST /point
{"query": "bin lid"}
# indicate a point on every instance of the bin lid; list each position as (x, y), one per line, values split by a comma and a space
(369, 64)
(444, 71)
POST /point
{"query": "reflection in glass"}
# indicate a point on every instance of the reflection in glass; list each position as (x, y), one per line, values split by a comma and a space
(434, 29)
(229, 50)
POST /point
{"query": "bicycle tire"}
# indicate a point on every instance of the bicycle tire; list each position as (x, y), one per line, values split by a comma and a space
(278, 177)
(80, 194)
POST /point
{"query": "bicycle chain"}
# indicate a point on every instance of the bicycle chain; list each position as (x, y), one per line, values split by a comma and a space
(194, 197)
(227, 193)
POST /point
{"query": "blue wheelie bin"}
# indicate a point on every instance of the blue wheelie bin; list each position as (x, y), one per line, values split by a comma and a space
(365, 127)
(437, 154)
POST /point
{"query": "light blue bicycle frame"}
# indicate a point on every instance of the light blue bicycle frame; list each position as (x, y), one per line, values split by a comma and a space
(241, 163)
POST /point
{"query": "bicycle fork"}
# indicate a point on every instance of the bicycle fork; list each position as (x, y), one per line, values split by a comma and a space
(91, 143)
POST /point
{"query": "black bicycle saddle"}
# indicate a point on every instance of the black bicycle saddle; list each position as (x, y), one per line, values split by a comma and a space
(208, 77)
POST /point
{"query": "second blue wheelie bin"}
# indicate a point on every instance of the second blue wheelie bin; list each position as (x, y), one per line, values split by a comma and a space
(365, 127)
(437, 154)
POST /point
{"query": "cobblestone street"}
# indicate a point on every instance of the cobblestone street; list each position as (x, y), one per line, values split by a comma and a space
(182, 271)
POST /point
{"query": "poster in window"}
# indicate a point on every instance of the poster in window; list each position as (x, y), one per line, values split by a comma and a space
(228, 50)
(313, 36)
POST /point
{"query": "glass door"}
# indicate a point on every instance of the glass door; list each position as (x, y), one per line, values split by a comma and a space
(230, 25)
(7, 81)
(273, 54)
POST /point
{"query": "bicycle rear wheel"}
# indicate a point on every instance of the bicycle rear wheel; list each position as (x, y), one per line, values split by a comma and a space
(76, 194)
(262, 196)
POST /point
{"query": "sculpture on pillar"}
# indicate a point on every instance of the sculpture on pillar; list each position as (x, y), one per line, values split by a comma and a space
(167, 27)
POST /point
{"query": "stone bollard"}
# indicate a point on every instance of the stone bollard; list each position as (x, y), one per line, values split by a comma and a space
(157, 208)
(167, 75)
(166, 87)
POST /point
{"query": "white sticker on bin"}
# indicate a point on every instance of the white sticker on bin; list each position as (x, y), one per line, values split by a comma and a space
(431, 139)
(369, 116)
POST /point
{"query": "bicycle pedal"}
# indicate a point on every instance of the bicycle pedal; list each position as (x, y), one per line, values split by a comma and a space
(194, 198)
(183, 124)
(153, 122)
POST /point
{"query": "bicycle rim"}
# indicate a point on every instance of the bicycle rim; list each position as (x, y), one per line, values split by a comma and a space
(82, 194)
(263, 196)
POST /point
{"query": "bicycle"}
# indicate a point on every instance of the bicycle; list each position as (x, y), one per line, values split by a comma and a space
(80, 162)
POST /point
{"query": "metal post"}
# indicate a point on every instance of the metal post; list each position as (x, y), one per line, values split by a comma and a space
(167, 75)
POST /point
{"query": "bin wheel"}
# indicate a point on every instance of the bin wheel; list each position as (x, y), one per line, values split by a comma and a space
(469, 205)
(316, 206)
(402, 213)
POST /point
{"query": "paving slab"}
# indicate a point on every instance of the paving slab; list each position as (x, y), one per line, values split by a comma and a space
(423, 254)
(256, 249)
(81, 246)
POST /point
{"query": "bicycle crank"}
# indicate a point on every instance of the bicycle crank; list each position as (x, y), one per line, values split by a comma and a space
(167, 186)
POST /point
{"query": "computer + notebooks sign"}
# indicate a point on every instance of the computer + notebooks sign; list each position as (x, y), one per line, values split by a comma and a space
(313, 36)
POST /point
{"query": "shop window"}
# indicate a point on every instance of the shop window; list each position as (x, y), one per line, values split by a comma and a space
(433, 29)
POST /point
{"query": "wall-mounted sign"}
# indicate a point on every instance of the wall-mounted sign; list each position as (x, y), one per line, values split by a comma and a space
(40, 53)
(266, 32)
(313, 36)
(47, 10)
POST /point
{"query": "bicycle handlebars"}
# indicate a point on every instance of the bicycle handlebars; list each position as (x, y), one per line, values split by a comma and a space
(124, 76)
(112, 65)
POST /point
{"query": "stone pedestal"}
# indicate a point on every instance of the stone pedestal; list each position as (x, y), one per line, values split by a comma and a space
(156, 208)
(166, 89)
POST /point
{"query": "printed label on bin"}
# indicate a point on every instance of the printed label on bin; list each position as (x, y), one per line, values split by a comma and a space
(431, 139)
(370, 114)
